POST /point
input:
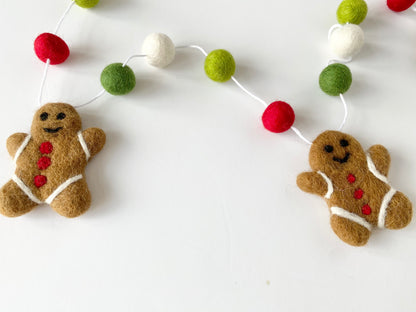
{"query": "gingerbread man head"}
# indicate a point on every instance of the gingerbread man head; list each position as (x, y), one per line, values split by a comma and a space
(55, 120)
(335, 152)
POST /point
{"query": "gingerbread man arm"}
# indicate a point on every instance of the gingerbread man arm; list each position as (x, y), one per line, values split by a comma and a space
(14, 142)
(381, 158)
(312, 182)
(95, 139)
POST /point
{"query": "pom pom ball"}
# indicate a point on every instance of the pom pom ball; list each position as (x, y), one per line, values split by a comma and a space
(50, 46)
(400, 5)
(335, 79)
(87, 3)
(347, 41)
(220, 65)
(352, 11)
(118, 80)
(159, 49)
(278, 117)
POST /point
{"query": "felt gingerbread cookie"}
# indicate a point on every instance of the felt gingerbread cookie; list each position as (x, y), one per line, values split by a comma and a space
(50, 163)
(355, 187)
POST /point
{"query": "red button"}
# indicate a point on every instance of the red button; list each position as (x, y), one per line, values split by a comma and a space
(44, 163)
(351, 178)
(358, 194)
(366, 210)
(46, 148)
(40, 180)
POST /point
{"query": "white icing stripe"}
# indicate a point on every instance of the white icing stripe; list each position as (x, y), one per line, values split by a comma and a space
(329, 183)
(84, 145)
(62, 187)
(21, 148)
(374, 170)
(350, 216)
(50, 199)
(383, 209)
(25, 189)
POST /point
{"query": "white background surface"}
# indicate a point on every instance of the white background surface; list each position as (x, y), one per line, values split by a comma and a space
(195, 205)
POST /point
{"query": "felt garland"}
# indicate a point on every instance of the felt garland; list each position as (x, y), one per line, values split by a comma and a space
(50, 161)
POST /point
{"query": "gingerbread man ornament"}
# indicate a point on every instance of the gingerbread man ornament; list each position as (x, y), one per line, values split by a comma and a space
(355, 187)
(50, 163)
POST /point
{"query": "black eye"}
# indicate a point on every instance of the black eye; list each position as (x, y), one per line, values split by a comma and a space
(344, 143)
(329, 148)
(60, 116)
(44, 116)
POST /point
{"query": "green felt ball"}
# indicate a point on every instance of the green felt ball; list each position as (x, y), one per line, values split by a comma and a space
(220, 65)
(118, 80)
(335, 79)
(87, 3)
(352, 11)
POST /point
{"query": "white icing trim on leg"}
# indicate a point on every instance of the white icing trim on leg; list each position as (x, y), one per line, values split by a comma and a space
(25, 189)
(374, 170)
(21, 148)
(329, 183)
(383, 209)
(351, 216)
(84, 145)
(62, 187)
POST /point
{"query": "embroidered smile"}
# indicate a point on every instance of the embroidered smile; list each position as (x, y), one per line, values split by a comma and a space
(49, 130)
(342, 160)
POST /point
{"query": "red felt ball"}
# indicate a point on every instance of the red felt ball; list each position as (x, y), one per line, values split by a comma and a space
(400, 5)
(50, 46)
(278, 117)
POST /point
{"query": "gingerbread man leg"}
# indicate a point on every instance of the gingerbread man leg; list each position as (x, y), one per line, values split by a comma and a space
(74, 200)
(399, 212)
(13, 201)
(349, 231)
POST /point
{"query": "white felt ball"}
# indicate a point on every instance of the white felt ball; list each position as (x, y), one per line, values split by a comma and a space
(347, 41)
(159, 49)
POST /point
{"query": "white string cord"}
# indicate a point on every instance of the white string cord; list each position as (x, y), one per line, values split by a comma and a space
(344, 120)
(194, 47)
(299, 134)
(102, 92)
(42, 85)
(344, 103)
(332, 29)
(248, 92)
(132, 57)
(346, 61)
(48, 61)
(63, 17)
(233, 78)
(297, 131)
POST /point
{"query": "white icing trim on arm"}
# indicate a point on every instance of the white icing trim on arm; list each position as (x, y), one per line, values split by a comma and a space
(84, 145)
(374, 171)
(351, 216)
(383, 209)
(21, 148)
(329, 183)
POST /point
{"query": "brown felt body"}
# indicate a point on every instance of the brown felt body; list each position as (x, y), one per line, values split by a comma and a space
(68, 160)
(399, 211)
